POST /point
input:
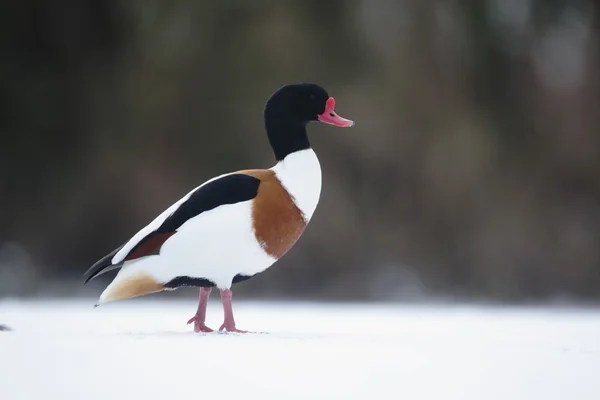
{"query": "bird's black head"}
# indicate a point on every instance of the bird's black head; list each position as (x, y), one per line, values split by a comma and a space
(302, 103)
(290, 108)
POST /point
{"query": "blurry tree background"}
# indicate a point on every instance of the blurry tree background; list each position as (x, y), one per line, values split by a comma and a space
(473, 170)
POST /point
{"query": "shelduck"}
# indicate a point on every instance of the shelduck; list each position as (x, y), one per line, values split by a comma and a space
(233, 226)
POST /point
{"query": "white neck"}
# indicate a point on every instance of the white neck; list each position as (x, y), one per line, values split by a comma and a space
(300, 175)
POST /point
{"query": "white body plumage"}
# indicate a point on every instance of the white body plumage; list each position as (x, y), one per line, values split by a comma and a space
(221, 243)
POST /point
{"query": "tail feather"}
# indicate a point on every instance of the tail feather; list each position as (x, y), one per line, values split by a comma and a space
(102, 266)
(130, 283)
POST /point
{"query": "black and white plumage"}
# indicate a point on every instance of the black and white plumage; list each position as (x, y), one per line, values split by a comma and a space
(236, 225)
(224, 190)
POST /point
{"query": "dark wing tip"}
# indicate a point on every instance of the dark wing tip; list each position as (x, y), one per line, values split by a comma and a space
(101, 266)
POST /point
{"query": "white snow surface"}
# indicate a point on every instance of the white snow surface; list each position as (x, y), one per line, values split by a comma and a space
(144, 350)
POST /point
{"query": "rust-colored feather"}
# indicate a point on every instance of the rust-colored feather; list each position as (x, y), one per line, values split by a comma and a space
(149, 245)
(278, 223)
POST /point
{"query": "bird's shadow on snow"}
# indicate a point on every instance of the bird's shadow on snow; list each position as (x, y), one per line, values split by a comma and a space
(216, 334)
(170, 334)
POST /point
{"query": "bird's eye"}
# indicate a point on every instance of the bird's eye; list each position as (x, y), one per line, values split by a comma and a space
(313, 97)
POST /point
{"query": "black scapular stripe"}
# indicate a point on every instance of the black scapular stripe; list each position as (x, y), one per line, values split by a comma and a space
(229, 189)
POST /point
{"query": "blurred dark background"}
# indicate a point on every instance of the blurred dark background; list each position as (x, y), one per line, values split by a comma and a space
(473, 171)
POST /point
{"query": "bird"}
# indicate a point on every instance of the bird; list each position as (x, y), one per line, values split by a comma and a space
(234, 226)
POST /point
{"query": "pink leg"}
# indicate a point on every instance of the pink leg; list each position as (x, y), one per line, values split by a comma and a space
(229, 323)
(200, 316)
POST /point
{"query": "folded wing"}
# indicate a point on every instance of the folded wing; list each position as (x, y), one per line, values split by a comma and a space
(222, 190)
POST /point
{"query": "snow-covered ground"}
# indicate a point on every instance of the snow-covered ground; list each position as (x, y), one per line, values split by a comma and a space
(144, 350)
